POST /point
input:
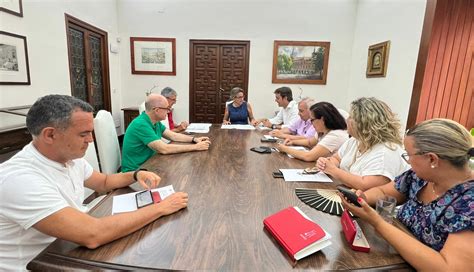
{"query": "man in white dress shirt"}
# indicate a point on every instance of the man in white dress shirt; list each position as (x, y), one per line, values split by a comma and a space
(288, 112)
(42, 187)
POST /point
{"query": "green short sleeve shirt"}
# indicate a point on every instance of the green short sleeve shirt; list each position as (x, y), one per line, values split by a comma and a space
(139, 134)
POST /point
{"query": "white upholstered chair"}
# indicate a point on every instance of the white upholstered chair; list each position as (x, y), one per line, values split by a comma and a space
(107, 142)
(91, 158)
(141, 108)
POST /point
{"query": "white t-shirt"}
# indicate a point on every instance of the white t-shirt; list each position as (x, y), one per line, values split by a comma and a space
(286, 115)
(379, 160)
(33, 187)
(333, 140)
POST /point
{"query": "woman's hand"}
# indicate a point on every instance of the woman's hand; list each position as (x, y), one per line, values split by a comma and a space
(226, 122)
(288, 141)
(365, 212)
(327, 165)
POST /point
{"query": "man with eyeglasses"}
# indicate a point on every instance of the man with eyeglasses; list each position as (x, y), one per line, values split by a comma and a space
(143, 136)
(171, 96)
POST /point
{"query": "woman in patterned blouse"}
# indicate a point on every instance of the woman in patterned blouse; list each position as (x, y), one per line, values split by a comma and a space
(437, 196)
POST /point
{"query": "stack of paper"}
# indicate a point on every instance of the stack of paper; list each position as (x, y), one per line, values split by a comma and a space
(242, 127)
(127, 202)
(299, 175)
(268, 137)
(198, 128)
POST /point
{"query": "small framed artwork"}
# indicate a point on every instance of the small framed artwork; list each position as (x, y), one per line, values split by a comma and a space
(12, 6)
(153, 56)
(377, 59)
(14, 68)
(300, 62)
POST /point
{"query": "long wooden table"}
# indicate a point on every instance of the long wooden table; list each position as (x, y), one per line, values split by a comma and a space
(231, 190)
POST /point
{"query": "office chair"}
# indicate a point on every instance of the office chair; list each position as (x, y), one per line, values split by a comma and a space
(107, 142)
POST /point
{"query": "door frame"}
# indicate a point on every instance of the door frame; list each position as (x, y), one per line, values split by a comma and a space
(73, 22)
(192, 42)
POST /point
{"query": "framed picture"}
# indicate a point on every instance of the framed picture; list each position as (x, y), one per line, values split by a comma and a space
(153, 56)
(14, 68)
(300, 62)
(377, 59)
(12, 6)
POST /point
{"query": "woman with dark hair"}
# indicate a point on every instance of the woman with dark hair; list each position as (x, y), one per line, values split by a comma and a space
(331, 134)
(437, 195)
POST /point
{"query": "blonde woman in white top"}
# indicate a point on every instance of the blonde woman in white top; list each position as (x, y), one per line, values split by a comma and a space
(331, 134)
(372, 157)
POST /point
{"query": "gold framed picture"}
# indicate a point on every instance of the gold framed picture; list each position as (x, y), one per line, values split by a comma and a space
(377, 59)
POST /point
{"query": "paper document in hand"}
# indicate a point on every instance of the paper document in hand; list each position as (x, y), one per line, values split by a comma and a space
(296, 232)
(297, 148)
(198, 128)
(127, 202)
(299, 175)
(242, 127)
(263, 128)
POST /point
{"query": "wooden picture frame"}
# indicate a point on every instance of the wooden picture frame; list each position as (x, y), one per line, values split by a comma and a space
(14, 67)
(13, 7)
(153, 56)
(377, 59)
(300, 62)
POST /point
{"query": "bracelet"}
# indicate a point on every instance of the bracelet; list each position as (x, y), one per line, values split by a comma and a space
(192, 140)
(135, 178)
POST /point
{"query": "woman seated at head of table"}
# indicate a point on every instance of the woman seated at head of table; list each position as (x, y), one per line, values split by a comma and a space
(331, 134)
(372, 156)
(437, 194)
(238, 111)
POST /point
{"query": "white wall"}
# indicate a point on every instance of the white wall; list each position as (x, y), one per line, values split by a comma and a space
(400, 22)
(259, 21)
(351, 26)
(43, 24)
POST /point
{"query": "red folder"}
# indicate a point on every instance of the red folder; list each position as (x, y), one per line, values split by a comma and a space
(353, 233)
(298, 235)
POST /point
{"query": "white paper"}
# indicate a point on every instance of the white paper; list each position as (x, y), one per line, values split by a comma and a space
(297, 175)
(269, 137)
(127, 202)
(198, 128)
(241, 127)
(261, 127)
(296, 148)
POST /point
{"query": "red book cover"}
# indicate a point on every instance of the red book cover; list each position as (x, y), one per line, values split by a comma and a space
(298, 235)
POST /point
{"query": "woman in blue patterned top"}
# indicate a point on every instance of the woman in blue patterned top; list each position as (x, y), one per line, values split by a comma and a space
(238, 112)
(437, 196)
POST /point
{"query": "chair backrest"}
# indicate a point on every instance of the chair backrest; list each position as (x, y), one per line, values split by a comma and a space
(91, 158)
(107, 142)
(141, 108)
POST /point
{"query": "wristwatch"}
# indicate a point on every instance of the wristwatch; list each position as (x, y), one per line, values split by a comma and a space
(274, 126)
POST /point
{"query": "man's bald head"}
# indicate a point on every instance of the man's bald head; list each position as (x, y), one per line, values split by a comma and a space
(155, 100)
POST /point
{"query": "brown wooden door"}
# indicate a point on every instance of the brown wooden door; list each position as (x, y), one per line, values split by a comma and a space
(444, 80)
(215, 68)
(88, 63)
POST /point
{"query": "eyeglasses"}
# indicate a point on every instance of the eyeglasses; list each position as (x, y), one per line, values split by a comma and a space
(406, 156)
(172, 99)
(162, 108)
(239, 97)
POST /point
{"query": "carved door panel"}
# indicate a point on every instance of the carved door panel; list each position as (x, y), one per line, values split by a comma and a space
(215, 68)
(88, 63)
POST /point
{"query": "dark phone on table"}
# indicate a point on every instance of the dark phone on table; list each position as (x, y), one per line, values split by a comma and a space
(261, 149)
(349, 194)
(144, 199)
(265, 140)
(277, 174)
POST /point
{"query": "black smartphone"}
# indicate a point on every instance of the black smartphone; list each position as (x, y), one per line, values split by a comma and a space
(277, 174)
(144, 199)
(261, 149)
(349, 194)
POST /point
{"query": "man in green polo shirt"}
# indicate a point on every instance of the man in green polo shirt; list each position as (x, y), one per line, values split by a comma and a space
(143, 136)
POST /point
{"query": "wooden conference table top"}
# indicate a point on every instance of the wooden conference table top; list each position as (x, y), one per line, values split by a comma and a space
(231, 190)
